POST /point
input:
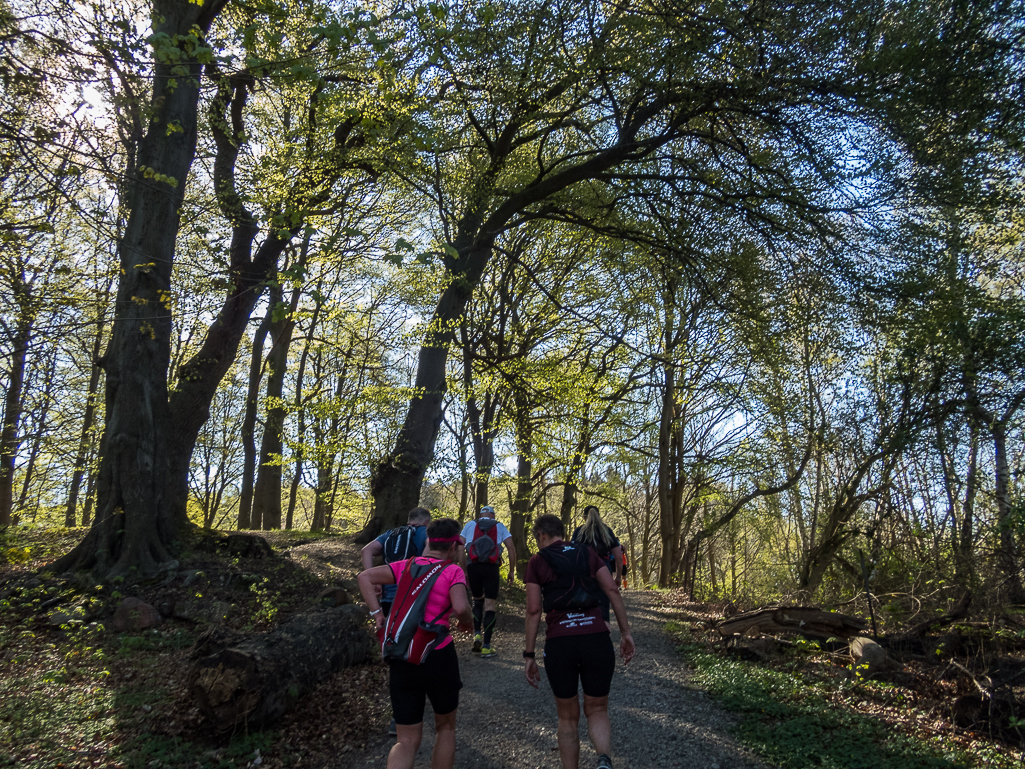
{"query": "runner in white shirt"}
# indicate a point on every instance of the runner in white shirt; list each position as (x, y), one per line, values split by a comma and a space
(484, 538)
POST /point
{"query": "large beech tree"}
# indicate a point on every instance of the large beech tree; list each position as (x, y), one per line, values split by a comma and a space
(531, 108)
(151, 429)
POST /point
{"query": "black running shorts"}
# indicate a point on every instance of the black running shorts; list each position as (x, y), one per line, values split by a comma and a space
(484, 579)
(589, 658)
(410, 685)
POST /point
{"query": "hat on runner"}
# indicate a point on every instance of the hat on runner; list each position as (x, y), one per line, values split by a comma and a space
(488, 510)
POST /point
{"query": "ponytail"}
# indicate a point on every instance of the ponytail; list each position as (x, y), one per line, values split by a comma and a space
(594, 532)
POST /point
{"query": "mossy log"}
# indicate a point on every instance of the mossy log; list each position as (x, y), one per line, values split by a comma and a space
(254, 682)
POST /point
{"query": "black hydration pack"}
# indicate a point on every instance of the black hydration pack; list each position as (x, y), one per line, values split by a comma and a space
(400, 544)
(573, 588)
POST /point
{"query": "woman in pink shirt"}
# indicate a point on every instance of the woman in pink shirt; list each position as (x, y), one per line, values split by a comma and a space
(437, 676)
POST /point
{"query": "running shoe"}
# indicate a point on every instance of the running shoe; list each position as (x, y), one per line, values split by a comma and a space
(393, 730)
(604, 762)
(488, 651)
(478, 642)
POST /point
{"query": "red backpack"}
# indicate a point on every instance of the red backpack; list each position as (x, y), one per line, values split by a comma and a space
(484, 546)
(407, 635)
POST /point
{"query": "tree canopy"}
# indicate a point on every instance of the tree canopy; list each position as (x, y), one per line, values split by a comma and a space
(747, 274)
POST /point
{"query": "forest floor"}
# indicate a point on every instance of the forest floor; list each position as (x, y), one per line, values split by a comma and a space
(74, 693)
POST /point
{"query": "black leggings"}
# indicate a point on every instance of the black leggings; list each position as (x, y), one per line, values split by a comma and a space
(588, 658)
(410, 685)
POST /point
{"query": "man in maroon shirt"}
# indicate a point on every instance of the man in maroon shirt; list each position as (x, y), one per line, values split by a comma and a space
(565, 579)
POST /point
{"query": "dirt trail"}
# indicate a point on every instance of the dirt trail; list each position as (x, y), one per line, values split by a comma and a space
(657, 719)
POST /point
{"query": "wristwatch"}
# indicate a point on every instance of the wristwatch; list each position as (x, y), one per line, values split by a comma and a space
(528, 655)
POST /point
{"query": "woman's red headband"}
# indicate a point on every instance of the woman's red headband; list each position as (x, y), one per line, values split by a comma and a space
(441, 540)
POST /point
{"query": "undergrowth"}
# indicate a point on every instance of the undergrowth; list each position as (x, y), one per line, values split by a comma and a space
(788, 718)
(79, 695)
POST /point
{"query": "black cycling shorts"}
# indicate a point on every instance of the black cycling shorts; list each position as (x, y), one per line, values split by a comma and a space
(410, 685)
(484, 579)
(589, 658)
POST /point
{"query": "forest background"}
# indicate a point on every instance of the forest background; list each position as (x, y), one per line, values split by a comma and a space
(746, 275)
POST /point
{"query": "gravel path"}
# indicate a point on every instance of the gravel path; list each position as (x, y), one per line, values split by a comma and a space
(658, 720)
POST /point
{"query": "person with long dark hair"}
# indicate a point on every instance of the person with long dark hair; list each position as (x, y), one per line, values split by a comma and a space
(423, 664)
(564, 580)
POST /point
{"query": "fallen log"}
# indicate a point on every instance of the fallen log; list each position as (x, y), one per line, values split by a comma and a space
(807, 621)
(256, 681)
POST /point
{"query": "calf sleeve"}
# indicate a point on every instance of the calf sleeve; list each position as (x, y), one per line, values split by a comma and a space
(478, 614)
(489, 626)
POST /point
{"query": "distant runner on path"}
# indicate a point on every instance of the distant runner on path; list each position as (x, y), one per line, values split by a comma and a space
(484, 538)
(565, 580)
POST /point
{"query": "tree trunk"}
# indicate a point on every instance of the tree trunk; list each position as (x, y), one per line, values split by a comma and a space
(483, 424)
(245, 502)
(90, 498)
(1007, 554)
(396, 482)
(267, 492)
(253, 683)
(301, 417)
(200, 377)
(86, 439)
(9, 439)
(570, 488)
(576, 466)
(523, 503)
(323, 505)
(965, 551)
(669, 501)
(135, 522)
(37, 440)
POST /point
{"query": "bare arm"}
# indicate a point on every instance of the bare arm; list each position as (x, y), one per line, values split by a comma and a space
(626, 641)
(531, 670)
(370, 582)
(460, 606)
(369, 551)
(617, 556)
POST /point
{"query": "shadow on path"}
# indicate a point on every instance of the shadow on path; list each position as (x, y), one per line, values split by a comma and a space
(658, 721)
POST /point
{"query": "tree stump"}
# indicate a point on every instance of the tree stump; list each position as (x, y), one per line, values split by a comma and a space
(256, 681)
(871, 659)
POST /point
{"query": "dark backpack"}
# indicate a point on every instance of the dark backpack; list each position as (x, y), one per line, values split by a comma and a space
(605, 555)
(407, 635)
(573, 587)
(484, 547)
(400, 545)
